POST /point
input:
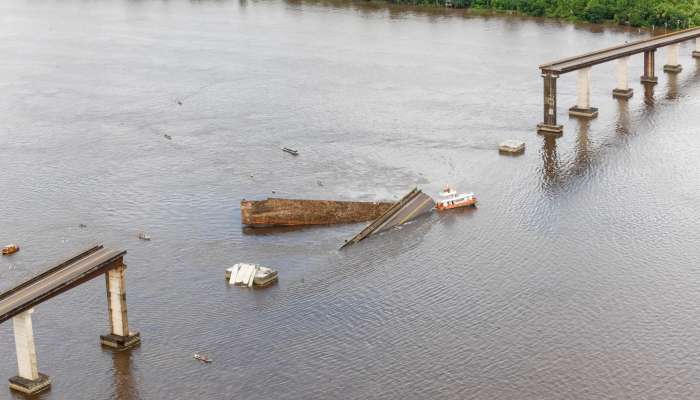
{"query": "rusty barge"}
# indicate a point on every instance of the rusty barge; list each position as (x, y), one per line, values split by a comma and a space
(295, 212)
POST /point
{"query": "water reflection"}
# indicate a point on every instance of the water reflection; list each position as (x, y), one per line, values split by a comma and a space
(648, 94)
(672, 85)
(622, 125)
(550, 171)
(124, 383)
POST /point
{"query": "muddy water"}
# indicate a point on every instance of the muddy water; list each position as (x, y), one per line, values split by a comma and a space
(577, 277)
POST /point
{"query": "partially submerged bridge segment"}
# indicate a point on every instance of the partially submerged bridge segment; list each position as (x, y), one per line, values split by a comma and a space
(583, 63)
(18, 304)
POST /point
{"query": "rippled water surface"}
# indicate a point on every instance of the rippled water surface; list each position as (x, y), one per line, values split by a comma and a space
(576, 278)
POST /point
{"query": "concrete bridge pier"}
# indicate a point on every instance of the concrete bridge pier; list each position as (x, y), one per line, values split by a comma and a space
(28, 380)
(672, 66)
(623, 90)
(649, 76)
(696, 53)
(549, 125)
(583, 93)
(120, 337)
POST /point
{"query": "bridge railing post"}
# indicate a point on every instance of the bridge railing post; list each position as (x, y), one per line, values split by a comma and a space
(549, 124)
(649, 76)
(28, 380)
(672, 65)
(120, 337)
(583, 96)
(623, 90)
(696, 53)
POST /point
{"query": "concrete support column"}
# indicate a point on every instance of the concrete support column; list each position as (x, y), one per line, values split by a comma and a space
(120, 336)
(649, 76)
(549, 125)
(583, 96)
(28, 379)
(696, 53)
(623, 90)
(672, 65)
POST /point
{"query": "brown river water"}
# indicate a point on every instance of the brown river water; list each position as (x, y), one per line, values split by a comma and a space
(578, 276)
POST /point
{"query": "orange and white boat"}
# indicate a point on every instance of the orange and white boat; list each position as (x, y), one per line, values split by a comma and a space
(450, 199)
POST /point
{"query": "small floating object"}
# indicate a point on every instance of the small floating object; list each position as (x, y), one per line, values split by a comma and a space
(511, 147)
(449, 199)
(82, 226)
(179, 103)
(168, 137)
(144, 236)
(244, 274)
(290, 151)
(10, 249)
(202, 358)
(319, 183)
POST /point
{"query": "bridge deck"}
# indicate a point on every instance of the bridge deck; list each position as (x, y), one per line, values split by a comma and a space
(612, 53)
(79, 269)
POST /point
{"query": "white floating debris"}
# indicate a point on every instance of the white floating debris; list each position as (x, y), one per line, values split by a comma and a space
(244, 274)
(144, 236)
(512, 147)
(202, 358)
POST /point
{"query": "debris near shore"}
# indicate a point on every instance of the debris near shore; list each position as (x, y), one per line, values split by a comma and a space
(410, 206)
(511, 147)
(294, 212)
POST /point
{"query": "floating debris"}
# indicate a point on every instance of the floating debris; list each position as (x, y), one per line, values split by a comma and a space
(204, 359)
(244, 274)
(511, 147)
(290, 151)
(82, 226)
(144, 236)
(10, 249)
(410, 206)
(449, 199)
(168, 137)
(179, 103)
(319, 183)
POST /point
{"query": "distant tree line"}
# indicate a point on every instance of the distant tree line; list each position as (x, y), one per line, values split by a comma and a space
(673, 14)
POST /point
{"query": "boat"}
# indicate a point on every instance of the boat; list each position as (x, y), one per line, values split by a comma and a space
(290, 151)
(245, 274)
(144, 236)
(202, 358)
(450, 199)
(10, 249)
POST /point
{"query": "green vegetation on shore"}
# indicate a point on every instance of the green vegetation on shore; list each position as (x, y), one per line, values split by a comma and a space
(674, 14)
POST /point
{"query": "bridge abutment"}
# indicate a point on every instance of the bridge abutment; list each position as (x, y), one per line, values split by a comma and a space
(583, 96)
(672, 66)
(28, 380)
(120, 337)
(623, 90)
(696, 53)
(649, 76)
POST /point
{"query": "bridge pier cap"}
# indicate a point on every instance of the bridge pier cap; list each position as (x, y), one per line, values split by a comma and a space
(28, 380)
(583, 96)
(120, 337)
(623, 90)
(672, 66)
(549, 124)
